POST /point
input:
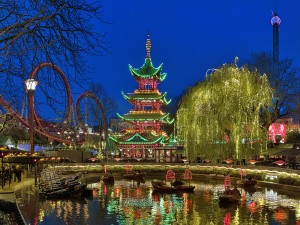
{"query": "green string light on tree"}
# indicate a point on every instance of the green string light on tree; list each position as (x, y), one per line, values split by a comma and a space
(220, 117)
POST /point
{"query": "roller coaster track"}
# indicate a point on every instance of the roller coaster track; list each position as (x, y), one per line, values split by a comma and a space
(94, 97)
(40, 128)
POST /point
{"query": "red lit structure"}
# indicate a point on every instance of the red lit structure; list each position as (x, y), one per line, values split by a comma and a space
(144, 138)
(278, 130)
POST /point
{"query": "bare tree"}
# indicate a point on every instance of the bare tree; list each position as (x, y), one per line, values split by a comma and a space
(109, 105)
(96, 116)
(5, 119)
(285, 82)
(58, 31)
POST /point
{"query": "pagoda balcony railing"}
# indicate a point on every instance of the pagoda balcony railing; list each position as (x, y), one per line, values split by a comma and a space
(138, 91)
(153, 132)
(146, 112)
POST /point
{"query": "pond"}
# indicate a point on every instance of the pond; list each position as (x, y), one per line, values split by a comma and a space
(130, 202)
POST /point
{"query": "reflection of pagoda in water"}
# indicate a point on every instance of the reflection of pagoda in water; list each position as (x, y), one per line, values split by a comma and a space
(138, 205)
(145, 138)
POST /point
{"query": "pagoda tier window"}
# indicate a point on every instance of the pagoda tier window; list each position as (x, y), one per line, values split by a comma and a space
(148, 87)
(147, 108)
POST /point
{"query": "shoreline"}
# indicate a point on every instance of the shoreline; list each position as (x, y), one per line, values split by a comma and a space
(8, 193)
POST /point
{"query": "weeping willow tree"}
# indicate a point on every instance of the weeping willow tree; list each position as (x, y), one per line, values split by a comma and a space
(220, 117)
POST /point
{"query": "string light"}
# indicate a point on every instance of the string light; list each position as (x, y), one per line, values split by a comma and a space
(227, 104)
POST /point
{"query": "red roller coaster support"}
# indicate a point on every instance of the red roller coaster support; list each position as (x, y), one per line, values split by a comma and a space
(94, 97)
(39, 128)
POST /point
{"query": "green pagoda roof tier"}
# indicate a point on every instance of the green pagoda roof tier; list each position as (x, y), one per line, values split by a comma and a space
(148, 71)
(171, 141)
(139, 96)
(146, 116)
(136, 139)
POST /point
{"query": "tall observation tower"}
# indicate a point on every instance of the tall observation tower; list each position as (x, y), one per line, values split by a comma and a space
(275, 21)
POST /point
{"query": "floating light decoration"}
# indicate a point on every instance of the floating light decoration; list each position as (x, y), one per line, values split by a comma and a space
(280, 162)
(252, 161)
(229, 161)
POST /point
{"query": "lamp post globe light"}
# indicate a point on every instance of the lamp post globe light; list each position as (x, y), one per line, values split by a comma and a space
(30, 88)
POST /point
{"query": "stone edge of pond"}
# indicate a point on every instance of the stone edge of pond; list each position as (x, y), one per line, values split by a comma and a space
(9, 197)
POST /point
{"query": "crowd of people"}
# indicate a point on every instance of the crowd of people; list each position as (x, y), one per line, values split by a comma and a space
(15, 173)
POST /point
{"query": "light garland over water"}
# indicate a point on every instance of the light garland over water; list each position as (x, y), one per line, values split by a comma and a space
(220, 117)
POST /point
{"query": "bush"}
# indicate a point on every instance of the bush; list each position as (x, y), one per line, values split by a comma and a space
(293, 136)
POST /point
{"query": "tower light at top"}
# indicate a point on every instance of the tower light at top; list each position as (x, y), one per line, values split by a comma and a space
(275, 21)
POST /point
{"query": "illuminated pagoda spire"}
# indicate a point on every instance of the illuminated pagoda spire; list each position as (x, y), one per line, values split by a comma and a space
(148, 71)
(148, 47)
(146, 118)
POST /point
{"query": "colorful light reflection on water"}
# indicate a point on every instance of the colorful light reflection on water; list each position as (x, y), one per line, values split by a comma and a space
(127, 202)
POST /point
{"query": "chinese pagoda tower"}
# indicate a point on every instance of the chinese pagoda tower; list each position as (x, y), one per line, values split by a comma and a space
(145, 133)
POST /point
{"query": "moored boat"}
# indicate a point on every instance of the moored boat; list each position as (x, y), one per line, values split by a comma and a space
(54, 185)
(161, 186)
(135, 175)
(75, 190)
(177, 182)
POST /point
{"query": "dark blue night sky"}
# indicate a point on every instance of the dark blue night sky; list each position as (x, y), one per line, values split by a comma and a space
(188, 37)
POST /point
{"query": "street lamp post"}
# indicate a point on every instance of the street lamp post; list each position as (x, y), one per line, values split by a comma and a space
(103, 145)
(30, 88)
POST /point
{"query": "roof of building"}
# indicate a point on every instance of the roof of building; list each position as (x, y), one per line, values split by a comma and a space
(147, 116)
(136, 138)
(148, 71)
(171, 141)
(154, 95)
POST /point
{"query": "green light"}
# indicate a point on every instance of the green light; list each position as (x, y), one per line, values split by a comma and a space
(146, 116)
(229, 101)
(136, 135)
(148, 71)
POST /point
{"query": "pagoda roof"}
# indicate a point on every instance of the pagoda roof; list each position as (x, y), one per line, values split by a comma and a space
(171, 141)
(136, 138)
(147, 96)
(148, 71)
(146, 116)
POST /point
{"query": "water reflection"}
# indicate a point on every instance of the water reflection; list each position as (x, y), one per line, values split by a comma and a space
(128, 202)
